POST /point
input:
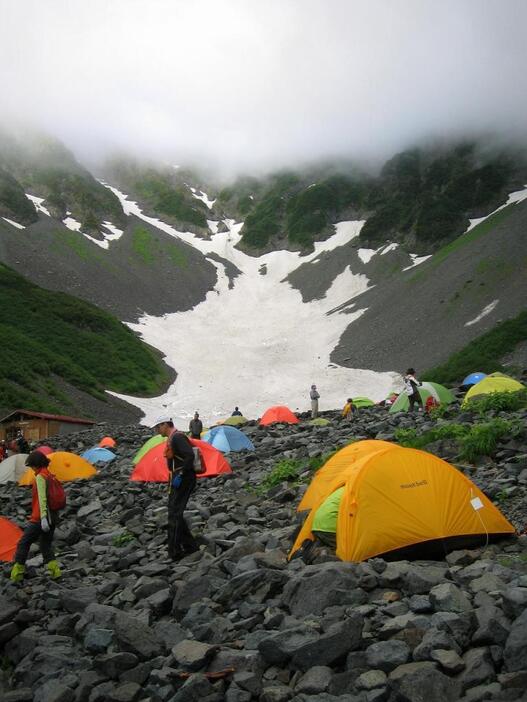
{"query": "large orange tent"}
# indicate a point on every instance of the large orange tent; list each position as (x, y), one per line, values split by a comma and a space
(9, 537)
(278, 413)
(65, 466)
(393, 498)
(152, 468)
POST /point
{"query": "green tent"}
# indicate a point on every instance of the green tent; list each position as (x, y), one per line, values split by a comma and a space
(154, 441)
(234, 421)
(362, 402)
(441, 394)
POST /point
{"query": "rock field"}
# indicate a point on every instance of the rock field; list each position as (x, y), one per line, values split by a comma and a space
(237, 622)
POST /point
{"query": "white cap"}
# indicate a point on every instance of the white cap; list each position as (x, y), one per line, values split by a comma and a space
(161, 420)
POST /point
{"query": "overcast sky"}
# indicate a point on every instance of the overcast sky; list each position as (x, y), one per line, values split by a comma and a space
(262, 83)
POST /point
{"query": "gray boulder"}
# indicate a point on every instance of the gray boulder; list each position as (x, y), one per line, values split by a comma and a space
(422, 682)
(515, 653)
(387, 655)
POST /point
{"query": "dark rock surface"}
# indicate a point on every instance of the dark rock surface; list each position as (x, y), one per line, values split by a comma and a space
(236, 621)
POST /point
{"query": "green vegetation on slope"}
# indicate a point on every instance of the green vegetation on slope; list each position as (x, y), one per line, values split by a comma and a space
(45, 167)
(474, 439)
(148, 248)
(429, 197)
(48, 334)
(422, 198)
(13, 201)
(483, 353)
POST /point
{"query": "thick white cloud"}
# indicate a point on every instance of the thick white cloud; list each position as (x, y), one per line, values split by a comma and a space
(259, 83)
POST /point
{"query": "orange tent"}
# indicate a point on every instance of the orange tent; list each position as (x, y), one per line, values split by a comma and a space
(278, 413)
(65, 466)
(152, 468)
(107, 442)
(394, 498)
(9, 537)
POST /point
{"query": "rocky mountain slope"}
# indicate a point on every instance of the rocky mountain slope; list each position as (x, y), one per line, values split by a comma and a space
(236, 621)
(332, 246)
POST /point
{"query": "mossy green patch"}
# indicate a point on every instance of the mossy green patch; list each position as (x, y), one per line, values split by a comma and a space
(48, 334)
(148, 248)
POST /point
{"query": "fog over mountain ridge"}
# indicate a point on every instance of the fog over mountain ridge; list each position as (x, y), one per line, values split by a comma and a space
(243, 86)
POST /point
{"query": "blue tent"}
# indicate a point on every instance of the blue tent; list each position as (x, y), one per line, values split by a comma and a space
(98, 455)
(473, 378)
(227, 439)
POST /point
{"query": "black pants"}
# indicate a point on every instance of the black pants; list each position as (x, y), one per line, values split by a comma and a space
(180, 539)
(32, 533)
(412, 399)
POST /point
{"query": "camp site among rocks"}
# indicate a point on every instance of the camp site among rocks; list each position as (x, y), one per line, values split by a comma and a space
(237, 621)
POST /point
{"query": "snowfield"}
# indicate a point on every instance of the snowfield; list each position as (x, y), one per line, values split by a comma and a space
(256, 344)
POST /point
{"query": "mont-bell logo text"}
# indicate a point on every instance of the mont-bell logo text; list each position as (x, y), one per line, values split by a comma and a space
(416, 483)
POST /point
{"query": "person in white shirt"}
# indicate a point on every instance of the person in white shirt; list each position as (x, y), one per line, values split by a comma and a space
(411, 388)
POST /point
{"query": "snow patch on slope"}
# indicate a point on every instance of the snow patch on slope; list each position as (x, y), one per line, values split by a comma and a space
(14, 224)
(366, 255)
(416, 260)
(37, 201)
(203, 197)
(255, 344)
(484, 312)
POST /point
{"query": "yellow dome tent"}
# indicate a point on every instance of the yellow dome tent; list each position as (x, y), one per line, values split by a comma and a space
(65, 466)
(496, 382)
(394, 498)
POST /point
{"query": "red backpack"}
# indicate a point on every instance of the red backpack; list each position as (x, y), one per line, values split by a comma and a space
(55, 493)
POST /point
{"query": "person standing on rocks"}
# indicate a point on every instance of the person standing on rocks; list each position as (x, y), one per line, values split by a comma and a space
(181, 484)
(236, 412)
(349, 409)
(314, 396)
(411, 388)
(195, 427)
(42, 522)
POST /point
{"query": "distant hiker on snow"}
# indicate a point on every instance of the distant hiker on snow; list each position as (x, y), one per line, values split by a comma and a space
(236, 412)
(411, 388)
(181, 484)
(195, 427)
(42, 522)
(314, 396)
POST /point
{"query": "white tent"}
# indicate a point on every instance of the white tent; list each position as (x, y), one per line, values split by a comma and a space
(13, 468)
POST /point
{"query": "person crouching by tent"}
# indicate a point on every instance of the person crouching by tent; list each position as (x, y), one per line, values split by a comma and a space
(349, 409)
(181, 483)
(42, 522)
(411, 388)
(314, 397)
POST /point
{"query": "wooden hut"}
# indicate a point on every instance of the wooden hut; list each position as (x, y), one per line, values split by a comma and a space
(36, 426)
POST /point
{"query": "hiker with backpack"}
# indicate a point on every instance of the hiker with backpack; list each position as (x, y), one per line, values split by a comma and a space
(181, 483)
(48, 498)
(411, 388)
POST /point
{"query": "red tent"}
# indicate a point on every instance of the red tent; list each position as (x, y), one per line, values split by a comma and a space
(46, 450)
(152, 468)
(9, 537)
(279, 413)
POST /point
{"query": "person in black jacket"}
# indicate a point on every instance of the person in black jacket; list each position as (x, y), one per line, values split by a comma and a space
(195, 427)
(181, 484)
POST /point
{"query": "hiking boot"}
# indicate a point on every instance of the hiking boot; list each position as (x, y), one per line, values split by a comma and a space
(17, 573)
(54, 569)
